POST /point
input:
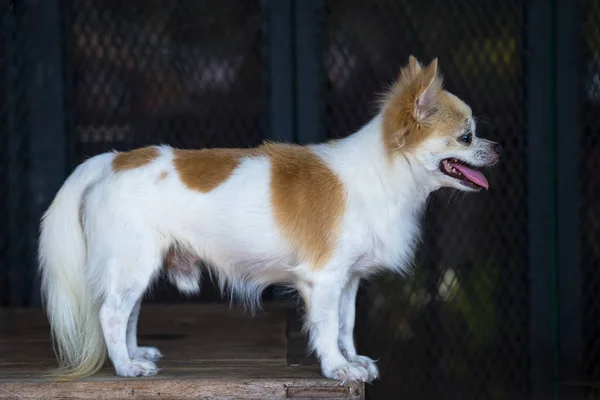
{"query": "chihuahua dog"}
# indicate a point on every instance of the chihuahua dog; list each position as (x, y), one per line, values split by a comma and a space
(318, 218)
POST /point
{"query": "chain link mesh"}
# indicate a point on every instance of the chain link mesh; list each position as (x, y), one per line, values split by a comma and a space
(14, 128)
(458, 326)
(4, 160)
(590, 207)
(183, 73)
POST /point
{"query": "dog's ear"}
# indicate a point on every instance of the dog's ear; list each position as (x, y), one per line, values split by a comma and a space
(427, 87)
(414, 63)
(415, 94)
(409, 73)
(411, 102)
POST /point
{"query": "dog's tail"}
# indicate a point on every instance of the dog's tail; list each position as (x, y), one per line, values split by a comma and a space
(72, 310)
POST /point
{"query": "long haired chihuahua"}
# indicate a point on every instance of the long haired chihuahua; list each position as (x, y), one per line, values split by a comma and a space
(317, 218)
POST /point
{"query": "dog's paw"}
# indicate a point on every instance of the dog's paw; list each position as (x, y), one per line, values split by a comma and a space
(146, 353)
(351, 371)
(369, 364)
(137, 368)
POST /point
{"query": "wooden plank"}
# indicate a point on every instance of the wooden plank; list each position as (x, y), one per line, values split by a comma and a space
(186, 389)
(210, 352)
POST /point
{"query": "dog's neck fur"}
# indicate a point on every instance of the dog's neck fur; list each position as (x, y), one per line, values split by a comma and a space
(362, 162)
(387, 196)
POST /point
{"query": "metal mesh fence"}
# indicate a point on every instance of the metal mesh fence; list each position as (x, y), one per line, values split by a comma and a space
(3, 159)
(458, 327)
(183, 73)
(4, 239)
(15, 281)
(590, 189)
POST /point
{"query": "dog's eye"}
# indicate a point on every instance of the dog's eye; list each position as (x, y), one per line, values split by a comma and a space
(467, 137)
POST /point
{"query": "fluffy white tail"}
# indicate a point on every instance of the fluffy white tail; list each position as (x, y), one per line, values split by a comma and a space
(72, 310)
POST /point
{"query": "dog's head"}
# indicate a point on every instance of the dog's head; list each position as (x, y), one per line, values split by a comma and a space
(436, 128)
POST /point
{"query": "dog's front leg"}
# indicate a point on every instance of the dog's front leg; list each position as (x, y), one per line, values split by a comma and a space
(347, 311)
(322, 296)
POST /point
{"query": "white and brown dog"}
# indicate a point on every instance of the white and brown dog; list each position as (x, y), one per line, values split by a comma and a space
(317, 217)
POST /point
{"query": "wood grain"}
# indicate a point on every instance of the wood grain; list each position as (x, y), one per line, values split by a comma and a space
(211, 352)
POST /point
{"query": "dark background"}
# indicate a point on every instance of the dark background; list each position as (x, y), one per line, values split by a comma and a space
(504, 302)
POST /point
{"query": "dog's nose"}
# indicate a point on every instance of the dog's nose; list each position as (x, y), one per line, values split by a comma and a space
(498, 148)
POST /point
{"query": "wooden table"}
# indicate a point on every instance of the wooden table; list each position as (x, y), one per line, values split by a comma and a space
(211, 352)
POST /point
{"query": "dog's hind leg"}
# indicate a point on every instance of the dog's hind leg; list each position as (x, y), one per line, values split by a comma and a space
(136, 352)
(127, 280)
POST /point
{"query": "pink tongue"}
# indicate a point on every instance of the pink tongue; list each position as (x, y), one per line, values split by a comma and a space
(474, 176)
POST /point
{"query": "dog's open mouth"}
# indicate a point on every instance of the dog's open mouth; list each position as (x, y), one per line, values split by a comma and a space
(464, 173)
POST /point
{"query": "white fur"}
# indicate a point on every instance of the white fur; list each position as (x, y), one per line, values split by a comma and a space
(72, 309)
(131, 218)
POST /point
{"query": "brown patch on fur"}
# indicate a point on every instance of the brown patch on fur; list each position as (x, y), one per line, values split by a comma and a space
(162, 176)
(453, 114)
(205, 169)
(134, 159)
(308, 200)
(411, 107)
(307, 197)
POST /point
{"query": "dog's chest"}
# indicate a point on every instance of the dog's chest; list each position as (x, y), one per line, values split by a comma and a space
(389, 242)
